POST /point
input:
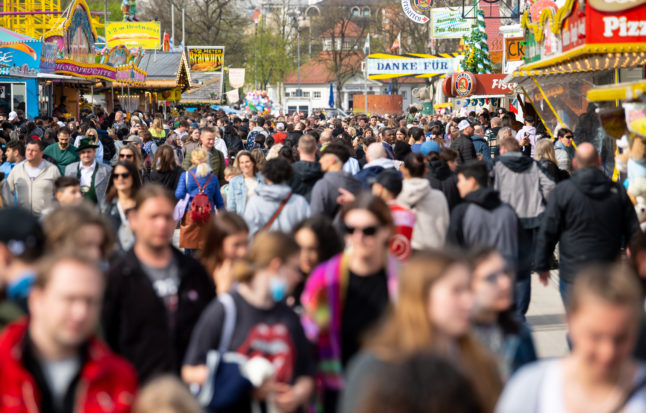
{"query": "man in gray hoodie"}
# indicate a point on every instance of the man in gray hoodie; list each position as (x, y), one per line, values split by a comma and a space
(275, 207)
(326, 190)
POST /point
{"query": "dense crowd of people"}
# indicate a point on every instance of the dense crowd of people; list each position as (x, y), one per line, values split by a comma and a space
(290, 263)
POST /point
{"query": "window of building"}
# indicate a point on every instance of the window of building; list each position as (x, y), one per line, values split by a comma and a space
(356, 12)
(403, 93)
(13, 96)
(317, 95)
(306, 94)
(366, 12)
(287, 94)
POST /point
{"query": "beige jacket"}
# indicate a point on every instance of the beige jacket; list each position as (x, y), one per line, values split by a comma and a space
(34, 195)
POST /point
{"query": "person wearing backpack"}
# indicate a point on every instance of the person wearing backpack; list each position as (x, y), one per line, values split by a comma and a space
(203, 189)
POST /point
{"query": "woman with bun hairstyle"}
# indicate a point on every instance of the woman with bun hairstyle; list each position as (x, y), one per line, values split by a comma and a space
(264, 325)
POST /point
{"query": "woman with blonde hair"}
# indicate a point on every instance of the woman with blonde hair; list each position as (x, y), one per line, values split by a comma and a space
(199, 180)
(260, 311)
(432, 313)
(157, 129)
(243, 187)
(546, 157)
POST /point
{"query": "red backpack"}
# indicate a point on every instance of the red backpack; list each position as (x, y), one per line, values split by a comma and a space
(200, 205)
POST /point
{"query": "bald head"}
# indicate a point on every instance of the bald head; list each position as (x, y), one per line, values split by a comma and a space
(586, 156)
(375, 151)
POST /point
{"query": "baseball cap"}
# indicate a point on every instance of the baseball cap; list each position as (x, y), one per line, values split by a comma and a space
(428, 147)
(280, 126)
(21, 232)
(134, 138)
(463, 124)
(390, 179)
(12, 115)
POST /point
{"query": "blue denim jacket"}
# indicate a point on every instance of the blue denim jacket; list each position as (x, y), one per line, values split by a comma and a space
(237, 194)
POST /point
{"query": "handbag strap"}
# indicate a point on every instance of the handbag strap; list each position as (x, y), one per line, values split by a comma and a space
(229, 322)
(278, 211)
(200, 189)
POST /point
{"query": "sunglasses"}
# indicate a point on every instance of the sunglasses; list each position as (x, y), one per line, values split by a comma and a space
(124, 175)
(122, 156)
(367, 231)
(493, 277)
(569, 137)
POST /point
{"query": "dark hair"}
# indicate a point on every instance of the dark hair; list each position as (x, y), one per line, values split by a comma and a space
(38, 142)
(395, 388)
(222, 225)
(372, 204)
(476, 170)
(260, 121)
(111, 192)
(448, 155)
(277, 170)
(329, 242)
(339, 150)
(63, 182)
(416, 133)
(286, 153)
(16, 145)
(184, 123)
(529, 119)
(64, 131)
(563, 131)
(165, 159)
(401, 150)
(415, 165)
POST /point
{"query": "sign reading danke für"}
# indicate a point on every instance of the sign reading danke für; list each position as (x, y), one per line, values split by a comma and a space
(410, 66)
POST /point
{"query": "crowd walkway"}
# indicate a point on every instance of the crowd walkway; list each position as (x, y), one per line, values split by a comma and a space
(546, 316)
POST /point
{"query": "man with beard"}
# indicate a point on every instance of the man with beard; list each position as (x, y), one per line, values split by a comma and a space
(62, 152)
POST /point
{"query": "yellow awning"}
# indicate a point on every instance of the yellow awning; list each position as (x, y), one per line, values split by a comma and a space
(588, 58)
(621, 91)
(443, 105)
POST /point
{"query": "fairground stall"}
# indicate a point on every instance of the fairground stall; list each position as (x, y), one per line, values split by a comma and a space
(570, 50)
(20, 59)
(473, 92)
(167, 76)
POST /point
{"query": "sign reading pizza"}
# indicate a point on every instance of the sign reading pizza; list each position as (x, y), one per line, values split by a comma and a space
(616, 22)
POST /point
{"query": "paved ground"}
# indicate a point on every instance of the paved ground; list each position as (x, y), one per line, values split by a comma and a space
(546, 316)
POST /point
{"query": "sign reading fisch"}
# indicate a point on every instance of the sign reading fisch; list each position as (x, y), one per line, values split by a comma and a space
(409, 66)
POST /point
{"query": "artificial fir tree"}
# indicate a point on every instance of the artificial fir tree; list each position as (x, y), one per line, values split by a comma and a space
(477, 59)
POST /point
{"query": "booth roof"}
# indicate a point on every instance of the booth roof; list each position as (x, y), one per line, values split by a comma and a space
(161, 65)
(7, 36)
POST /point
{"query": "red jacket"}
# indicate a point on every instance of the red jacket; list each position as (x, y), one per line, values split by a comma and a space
(279, 137)
(107, 384)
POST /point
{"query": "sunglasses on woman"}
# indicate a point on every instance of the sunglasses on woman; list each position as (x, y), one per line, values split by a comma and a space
(569, 137)
(367, 231)
(126, 156)
(124, 175)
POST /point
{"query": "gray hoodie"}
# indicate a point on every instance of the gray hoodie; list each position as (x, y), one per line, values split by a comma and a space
(326, 192)
(262, 206)
(431, 211)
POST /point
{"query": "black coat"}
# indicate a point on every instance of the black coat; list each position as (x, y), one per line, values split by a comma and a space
(591, 217)
(306, 174)
(167, 179)
(464, 145)
(135, 319)
(551, 169)
(442, 178)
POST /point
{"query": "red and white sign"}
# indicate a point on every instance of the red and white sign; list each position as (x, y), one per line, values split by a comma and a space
(621, 26)
(573, 29)
(482, 85)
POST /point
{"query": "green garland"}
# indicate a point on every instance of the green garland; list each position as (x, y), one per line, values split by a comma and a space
(477, 59)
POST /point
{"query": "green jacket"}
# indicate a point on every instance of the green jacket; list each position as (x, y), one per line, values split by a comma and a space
(216, 161)
(62, 158)
(9, 312)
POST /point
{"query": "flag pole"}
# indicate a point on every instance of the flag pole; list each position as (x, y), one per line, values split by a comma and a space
(365, 75)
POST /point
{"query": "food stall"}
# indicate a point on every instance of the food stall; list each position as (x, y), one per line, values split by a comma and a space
(19, 67)
(570, 50)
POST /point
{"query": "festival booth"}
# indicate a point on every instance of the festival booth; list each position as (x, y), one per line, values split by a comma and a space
(473, 92)
(20, 60)
(568, 51)
(78, 68)
(168, 75)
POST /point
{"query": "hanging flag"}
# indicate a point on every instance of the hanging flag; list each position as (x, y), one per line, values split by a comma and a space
(330, 102)
(390, 88)
(398, 42)
(366, 46)
(512, 108)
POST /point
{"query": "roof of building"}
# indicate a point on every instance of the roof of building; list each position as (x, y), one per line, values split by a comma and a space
(164, 69)
(316, 70)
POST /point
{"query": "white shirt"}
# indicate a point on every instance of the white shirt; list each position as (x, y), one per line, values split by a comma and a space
(33, 172)
(86, 174)
(221, 146)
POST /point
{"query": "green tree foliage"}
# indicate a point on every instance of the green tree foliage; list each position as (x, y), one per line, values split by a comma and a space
(271, 52)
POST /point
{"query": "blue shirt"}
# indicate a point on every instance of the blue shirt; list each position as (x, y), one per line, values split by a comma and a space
(6, 168)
